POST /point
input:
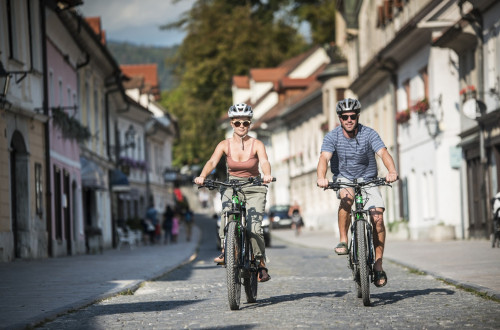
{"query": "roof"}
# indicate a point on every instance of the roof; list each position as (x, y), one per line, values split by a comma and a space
(148, 74)
(95, 24)
(290, 64)
(267, 74)
(241, 81)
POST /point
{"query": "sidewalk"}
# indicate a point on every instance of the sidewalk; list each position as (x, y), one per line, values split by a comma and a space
(32, 291)
(472, 264)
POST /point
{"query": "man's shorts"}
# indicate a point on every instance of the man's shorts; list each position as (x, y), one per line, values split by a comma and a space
(371, 195)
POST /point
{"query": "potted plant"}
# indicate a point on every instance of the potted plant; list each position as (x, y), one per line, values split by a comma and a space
(403, 116)
(421, 106)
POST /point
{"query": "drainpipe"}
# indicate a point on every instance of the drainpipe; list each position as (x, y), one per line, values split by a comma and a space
(45, 105)
(391, 69)
(475, 19)
(114, 203)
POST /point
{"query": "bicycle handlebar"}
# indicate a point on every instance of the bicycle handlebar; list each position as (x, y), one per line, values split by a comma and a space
(375, 182)
(213, 184)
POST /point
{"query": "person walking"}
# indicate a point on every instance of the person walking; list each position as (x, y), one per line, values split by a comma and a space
(188, 219)
(243, 154)
(351, 148)
(167, 224)
(295, 213)
(151, 223)
(175, 227)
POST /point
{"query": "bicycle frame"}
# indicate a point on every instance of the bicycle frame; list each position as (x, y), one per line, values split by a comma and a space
(238, 212)
(359, 214)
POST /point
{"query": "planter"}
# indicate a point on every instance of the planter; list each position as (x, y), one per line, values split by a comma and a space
(442, 233)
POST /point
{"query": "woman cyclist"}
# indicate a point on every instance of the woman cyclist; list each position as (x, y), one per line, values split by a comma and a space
(243, 154)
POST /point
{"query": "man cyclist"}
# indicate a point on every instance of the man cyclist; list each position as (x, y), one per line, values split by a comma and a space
(351, 149)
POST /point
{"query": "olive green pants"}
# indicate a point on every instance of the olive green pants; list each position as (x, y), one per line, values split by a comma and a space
(255, 203)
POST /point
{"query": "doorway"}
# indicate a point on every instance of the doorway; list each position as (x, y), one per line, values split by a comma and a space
(19, 174)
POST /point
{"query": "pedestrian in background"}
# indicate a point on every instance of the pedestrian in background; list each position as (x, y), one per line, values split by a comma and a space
(295, 213)
(188, 218)
(175, 227)
(151, 222)
(167, 224)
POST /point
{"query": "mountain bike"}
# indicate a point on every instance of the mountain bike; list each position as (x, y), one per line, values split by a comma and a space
(361, 256)
(238, 253)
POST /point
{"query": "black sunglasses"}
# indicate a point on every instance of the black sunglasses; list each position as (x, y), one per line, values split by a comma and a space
(245, 123)
(345, 117)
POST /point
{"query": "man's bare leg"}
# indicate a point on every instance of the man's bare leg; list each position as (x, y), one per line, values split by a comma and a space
(344, 218)
(377, 217)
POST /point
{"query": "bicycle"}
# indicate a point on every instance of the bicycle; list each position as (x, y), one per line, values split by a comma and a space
(238, 252)
(361, 256)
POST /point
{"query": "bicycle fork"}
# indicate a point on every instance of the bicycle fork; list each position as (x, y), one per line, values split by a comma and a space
(354, 257)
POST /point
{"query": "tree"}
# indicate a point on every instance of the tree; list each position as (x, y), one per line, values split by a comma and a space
(226, 38)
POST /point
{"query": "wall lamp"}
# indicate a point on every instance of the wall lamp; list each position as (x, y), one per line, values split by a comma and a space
(4, 85)
(5, 82)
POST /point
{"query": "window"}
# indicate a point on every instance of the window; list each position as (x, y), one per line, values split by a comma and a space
(406, 87)
(51, 88)
(36, 37)
(12, 21)
(60, 93)
(38, 189)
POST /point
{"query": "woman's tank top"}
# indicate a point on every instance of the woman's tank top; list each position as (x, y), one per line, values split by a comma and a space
(245, 169)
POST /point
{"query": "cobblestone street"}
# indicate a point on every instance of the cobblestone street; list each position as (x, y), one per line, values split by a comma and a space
(309, 288)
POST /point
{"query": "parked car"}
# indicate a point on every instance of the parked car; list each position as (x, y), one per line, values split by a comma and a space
(279, 216)
(266, 229)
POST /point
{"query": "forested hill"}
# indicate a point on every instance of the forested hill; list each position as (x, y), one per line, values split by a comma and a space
(127, 53)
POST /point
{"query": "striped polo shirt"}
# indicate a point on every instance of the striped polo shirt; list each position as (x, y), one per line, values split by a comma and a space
(353, 158)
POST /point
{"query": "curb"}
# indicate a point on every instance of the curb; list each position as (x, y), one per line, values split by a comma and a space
(132, 287)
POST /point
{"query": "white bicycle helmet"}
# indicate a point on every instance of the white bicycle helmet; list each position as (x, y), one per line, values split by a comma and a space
(240, 110)
(348, 105)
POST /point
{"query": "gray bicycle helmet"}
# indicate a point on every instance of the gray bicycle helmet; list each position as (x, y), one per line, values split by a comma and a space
(240, 110)
(348, 105)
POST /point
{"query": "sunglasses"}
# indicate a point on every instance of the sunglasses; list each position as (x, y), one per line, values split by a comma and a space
(345, 117)
(245, 123)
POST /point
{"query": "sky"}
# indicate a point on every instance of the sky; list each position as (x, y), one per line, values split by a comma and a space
(138, 21)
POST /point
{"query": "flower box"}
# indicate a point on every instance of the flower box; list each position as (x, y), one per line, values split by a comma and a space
(421, 106)
(403, 116)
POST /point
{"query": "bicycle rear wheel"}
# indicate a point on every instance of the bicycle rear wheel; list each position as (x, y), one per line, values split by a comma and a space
(233, 273)
(363, 261)
(250, 282)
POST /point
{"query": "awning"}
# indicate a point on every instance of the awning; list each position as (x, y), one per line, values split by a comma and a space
(119, 181)
(92, 175)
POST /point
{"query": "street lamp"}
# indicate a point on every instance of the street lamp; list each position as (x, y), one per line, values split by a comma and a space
(130, 138)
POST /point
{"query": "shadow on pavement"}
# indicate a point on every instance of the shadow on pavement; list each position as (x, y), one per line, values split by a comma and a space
(293, 297)
(388, 298)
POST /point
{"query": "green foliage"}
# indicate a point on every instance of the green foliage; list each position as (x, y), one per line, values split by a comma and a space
(224, 38)
(320, 14)
(70, 126)
(127, 53)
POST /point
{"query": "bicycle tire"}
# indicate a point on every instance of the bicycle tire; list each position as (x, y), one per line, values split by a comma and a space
(355, 271)
(233, 273)
(250, 282)
(363, 261)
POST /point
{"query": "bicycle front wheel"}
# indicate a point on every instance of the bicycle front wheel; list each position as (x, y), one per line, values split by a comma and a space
(233, 273)
(250, 282)
(364, 273)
